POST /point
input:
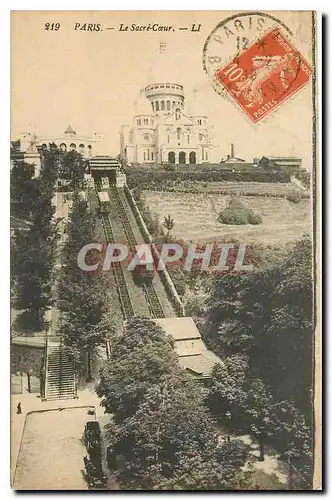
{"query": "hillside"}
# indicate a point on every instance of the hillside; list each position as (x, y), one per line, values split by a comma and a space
(195, 217)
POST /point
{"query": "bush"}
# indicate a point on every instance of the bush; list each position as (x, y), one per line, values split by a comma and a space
(294, 197)
(232, 218)
(237, 214)
(255, 219)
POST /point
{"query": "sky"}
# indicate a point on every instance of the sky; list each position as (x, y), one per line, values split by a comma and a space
(92, 79)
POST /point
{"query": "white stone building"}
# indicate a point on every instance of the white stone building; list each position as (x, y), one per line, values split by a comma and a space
(68, 140)
(164, 129)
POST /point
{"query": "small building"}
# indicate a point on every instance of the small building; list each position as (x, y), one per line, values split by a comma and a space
(69, 140)
(107, 169)
(289, 164)
(194, 357)
(231, 158)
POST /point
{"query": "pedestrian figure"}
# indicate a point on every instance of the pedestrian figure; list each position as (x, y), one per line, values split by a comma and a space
(19, 409)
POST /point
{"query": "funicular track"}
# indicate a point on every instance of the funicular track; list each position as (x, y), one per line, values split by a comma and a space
(121, 285)
(154, 304)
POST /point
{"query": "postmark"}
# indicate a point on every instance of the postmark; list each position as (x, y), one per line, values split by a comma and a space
(232, 36)
(265, 74)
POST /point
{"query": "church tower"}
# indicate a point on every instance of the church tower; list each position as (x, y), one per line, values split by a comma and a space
(163, 131)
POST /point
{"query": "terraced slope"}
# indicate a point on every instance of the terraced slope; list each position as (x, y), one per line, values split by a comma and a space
(195, 217)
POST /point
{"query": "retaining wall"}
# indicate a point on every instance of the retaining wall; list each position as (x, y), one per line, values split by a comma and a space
(163, 273)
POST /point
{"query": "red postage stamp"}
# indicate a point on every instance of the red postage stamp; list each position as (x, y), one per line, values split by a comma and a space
(265, 75)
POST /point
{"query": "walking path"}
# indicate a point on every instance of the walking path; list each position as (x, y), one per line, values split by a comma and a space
(33, 403)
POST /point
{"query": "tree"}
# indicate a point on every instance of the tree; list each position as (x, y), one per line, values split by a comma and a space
(82, 296)
(24, 190)
(33, 253)
(170, 443)
(267, 315)
(294, 443)
(71, 169)
(125, 380)
(242, 401)
(32, 260)
(168, 224)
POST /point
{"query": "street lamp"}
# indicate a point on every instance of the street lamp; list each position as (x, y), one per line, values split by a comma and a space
(30, 372)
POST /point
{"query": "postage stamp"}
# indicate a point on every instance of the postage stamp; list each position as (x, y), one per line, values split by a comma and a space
(265, 75)
(232, 36)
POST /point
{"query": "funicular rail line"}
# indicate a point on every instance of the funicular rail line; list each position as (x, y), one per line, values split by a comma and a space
(121, 285)
(149, 289)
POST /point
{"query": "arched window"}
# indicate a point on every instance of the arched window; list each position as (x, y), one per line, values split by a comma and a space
(178, 133)
(162, 105)
(139, 122)
(153, 106)
(188, 138)
(72, 146)
(63, 147)
(192, 157)
(206, 155)
(146, 137)
(199, 121)
(182, 157)
(173, 104)
(177, 114)
(168, 105)
(144, 156)
(171, 157)
(148, 154)
(157, 106)
(151, 155)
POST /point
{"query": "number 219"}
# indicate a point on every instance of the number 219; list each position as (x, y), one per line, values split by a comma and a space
(53, 26)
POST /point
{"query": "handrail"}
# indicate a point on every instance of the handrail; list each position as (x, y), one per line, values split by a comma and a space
(45, 368)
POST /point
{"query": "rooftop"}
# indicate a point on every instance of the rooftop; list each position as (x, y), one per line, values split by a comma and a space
(189, 346)
(70, 130)
(179, 328)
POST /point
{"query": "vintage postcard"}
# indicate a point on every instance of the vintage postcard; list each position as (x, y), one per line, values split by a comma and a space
(165, 269)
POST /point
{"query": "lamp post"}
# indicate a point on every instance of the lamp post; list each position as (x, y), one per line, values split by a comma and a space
(30, 372)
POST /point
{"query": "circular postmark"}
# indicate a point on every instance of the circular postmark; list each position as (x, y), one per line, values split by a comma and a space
(249, 57)
(232, 36)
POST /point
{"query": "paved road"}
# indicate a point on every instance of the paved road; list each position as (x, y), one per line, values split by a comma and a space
(52, 450)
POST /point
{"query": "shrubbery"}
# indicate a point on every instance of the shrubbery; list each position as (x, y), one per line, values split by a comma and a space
(294, 197)
(304, 177)
(237, 214)
(158, 179)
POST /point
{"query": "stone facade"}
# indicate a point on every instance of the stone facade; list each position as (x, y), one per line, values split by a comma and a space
(69, 140)
(164, 131)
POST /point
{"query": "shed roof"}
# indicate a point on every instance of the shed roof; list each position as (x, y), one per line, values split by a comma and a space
(201, 364)
(179, 328)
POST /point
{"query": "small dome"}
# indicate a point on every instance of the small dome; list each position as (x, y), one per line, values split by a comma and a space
(70, 131)
(143, 106)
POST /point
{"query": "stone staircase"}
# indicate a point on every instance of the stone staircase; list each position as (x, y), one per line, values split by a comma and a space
(60, 380)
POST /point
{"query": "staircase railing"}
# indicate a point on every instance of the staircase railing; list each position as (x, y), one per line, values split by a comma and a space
(45, 369)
